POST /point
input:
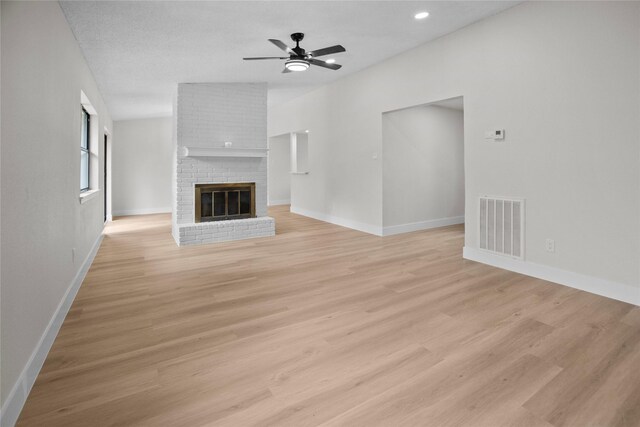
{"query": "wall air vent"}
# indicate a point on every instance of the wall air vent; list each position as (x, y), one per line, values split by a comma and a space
(502, 226)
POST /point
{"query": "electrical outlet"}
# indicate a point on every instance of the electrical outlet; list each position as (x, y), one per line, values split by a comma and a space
(550, 245)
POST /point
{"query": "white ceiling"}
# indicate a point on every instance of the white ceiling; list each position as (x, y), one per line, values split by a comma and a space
(139, 51)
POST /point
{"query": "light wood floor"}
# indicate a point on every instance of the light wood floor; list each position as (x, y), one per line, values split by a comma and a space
(322, 325)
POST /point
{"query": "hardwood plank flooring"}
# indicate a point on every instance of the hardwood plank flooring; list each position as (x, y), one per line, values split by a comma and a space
(322, 325)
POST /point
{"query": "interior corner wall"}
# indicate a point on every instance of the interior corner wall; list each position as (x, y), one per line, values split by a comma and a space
(278, 170)
(423, 167)
(560, 77)
(42, 221)
(142, 164)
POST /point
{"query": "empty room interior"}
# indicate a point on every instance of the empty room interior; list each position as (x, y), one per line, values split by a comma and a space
(320, 213)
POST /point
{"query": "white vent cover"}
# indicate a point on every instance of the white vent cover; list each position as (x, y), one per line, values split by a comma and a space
(502, 226)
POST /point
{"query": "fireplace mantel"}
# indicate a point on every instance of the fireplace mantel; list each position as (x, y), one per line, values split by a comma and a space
(223, 152)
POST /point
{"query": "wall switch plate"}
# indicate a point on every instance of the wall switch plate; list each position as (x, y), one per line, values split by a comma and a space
(550, 245)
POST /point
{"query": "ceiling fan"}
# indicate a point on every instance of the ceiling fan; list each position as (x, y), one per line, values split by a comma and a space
(299, 59)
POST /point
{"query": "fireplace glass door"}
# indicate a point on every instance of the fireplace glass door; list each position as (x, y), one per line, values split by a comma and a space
(219, 202)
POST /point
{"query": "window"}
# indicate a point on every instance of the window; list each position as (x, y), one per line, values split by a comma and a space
(84, 151)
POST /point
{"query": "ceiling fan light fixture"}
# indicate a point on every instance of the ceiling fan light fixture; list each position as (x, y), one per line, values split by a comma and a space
(300, 59)
(296, 65)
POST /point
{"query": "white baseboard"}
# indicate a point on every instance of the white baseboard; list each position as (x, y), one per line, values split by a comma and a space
(422, 225)
(279, 202)
(146, 211)
(594, 285)
(20, 391)
(356, 225)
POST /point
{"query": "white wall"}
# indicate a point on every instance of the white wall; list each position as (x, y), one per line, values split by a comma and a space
(423, 168)
(301, 153)
(560, 77)
(141, 168)
(344, 182)
(279, 176)
(42, 220)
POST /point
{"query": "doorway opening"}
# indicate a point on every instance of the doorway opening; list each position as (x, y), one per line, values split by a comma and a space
(288, 158)
(423, 166)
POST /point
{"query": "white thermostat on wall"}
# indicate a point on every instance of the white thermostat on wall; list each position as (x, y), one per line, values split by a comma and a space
(495, 134)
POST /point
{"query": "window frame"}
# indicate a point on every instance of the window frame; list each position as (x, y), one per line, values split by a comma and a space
(86, 150)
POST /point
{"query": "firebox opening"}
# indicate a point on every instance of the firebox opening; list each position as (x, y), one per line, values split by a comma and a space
(219, 202)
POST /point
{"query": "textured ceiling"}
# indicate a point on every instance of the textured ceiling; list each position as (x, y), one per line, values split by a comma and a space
(139, 51)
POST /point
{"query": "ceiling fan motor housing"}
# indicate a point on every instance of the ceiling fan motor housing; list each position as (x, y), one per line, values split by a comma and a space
(299, 52)
(297, 37)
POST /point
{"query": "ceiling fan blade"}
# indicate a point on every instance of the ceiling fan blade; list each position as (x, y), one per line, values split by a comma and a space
(282, 46)
(286, 70)
(265, 57)
(327, 51)
(321, 63)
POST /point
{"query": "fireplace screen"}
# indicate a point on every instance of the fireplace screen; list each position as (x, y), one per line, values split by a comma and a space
(219, 202)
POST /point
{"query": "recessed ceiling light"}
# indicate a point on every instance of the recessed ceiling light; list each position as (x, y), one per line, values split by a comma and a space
(306, 131)
(330, 61)
(421, 15)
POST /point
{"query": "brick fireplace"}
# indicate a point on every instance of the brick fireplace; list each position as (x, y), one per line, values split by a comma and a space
(220, 175)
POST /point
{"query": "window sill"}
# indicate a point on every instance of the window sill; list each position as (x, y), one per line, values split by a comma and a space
(88, 195)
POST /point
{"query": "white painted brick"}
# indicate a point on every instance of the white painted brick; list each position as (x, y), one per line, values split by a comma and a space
(226, 230)
(207, 115)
